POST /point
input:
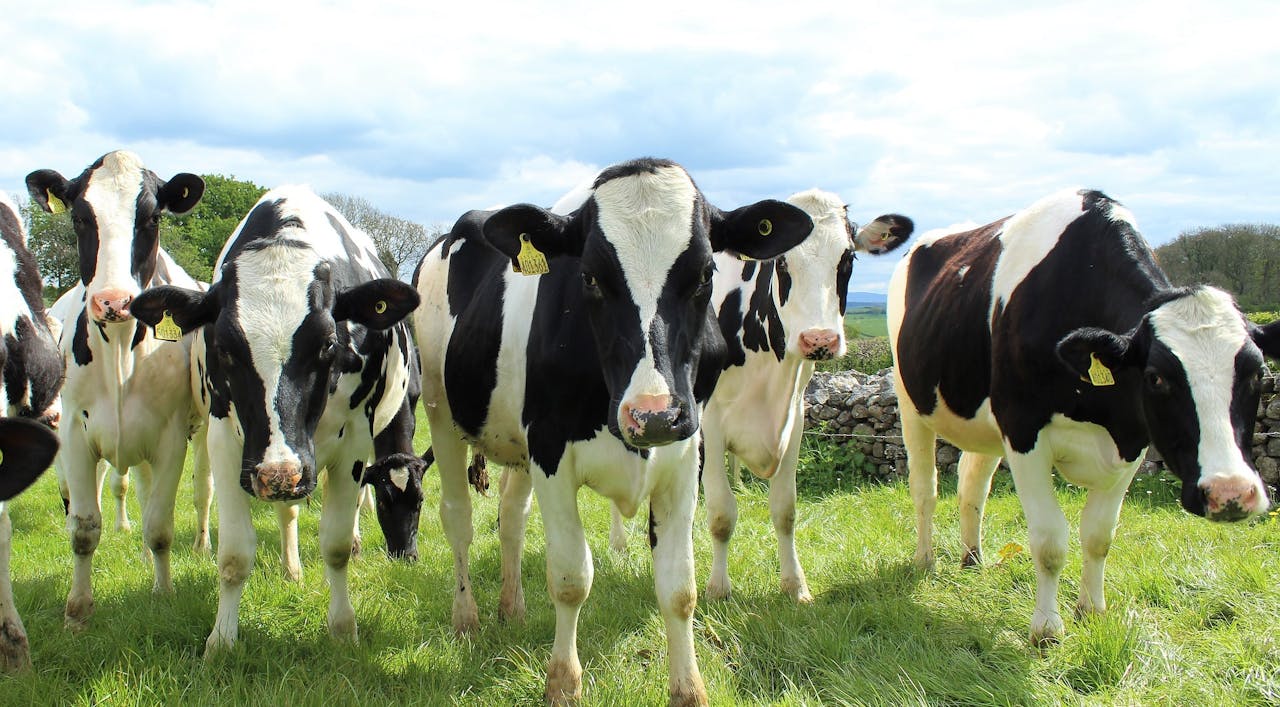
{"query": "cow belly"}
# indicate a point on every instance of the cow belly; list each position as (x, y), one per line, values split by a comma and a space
(977, 434)
(753, 407)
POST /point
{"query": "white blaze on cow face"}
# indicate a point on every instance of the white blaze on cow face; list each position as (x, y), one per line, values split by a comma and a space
(648, 219)
(112, 192)
(810, 311)
(1206, 334)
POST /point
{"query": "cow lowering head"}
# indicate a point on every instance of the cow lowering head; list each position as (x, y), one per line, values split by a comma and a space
(1199, 364)
(30, 362)
(115, 208)
(643, 242)
(278, 336)
(813, 278)
(397, 495)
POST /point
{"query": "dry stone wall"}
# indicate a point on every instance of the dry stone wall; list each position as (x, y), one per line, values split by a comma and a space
(861, 409)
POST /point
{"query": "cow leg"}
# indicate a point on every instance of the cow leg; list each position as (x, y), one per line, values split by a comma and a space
(84, 523)
(513, 517)
(236, 537)
(287, 520)
(364, 502)
(922, 478)
(569, 574)
(119, 485)
(1047, 535)
(782, 509)
(671, 507)
(202, 487)
(617, 530)
(15, 653)
(455, 516)
(975, 472)
(1097, 530)
(139, 479)
(337, 531)
(157, 515)
(722, 510)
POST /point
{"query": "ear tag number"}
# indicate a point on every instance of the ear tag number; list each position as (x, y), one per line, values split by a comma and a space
(167, 329)
(530, 260)
(765, 227)
(1099, 374)
(55, 204)
(380, 306)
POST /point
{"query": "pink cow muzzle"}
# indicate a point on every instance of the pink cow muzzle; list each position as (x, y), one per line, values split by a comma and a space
(278, 481)
(110, 305)
(650, 420)
(819, 344)
(1232, 498)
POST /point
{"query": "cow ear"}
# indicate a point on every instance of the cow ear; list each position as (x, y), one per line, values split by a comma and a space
(883, 234)
(27, 448)
(189, 309)
(763, 230)
(1267, 338)
(1079, 349)
(377, 304)
(511, 228)
(181, 193)
(49, 189)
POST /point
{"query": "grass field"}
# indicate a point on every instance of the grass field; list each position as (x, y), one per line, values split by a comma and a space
(1194, 619)
(869, 320)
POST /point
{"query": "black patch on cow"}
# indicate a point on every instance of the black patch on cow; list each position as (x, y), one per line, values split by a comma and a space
(85, 224)
(653, 529)
(475, 289)
(844, 271)
(139, 333)
(644, 165)
(80, 351)
(784, 279)
(748, 270)
(730, 323)
(762, 328)
(264, 223)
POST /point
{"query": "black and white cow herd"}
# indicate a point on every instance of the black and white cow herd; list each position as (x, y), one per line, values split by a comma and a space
(626, 340)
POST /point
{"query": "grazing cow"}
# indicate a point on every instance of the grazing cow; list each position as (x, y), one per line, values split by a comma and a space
(1053, 339)
(30, 376)
(127, 397)
(304, 364)
(778, 319)
(591, 374)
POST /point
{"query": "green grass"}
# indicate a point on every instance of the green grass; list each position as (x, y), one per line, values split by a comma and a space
(1194, 615)
(867, 320)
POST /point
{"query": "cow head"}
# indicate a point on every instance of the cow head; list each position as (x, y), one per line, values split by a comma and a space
(115, 208)
(643, 243)
(26, 450)
(277, 339)
(397, 495)
(30, 363)
(1199, 365)
(813, 278)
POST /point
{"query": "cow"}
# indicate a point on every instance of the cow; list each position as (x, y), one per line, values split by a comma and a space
(305, 364)
(778, 319)
(1052, 338)
(590, 375)
(127, 397)
(30, 375)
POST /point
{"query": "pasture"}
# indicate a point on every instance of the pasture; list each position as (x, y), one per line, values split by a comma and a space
(1194, 614)
(867, 320)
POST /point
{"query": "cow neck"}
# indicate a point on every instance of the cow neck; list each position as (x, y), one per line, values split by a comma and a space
(120, 360)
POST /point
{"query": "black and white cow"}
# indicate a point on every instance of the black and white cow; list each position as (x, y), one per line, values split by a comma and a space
(590, 375)
(778, 319)
(30, 376)
(305, 364)
(1053, 339)
(127, 397)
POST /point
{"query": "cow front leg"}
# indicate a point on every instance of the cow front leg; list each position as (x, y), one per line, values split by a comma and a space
(513, 517)
(569, 574)
(922, 478)
(671, 507)
(722, 511)
(782, 510)
(202, 489)
(15, 652)
(1047, 535)
(337, 532)
(84, 521)
(455, 515)
(973, 487)
(1097, 530)
(287, 521)
(236, 537)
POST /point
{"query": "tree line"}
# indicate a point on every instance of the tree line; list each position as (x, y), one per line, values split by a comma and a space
(1243, 259)
(195, 239)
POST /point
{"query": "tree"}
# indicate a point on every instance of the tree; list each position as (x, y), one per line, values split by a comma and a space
(195, 238)
(52, 241)
(400, 243)
(1243, 259)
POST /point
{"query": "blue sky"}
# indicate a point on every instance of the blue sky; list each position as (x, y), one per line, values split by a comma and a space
(948, 112)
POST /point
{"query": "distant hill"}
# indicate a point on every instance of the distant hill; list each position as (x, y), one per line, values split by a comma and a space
(856, 299)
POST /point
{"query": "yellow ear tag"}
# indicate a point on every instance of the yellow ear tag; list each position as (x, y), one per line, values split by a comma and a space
(380, 306)
(765, 227)
(1099, 374)
(1008, 552)
(167, 329)
(55, 204)
(530, 260)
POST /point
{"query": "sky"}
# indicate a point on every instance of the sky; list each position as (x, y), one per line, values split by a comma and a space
(948, 112)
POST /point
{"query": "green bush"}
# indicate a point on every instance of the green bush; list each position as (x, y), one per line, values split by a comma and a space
(1262, 318)
(866, 354)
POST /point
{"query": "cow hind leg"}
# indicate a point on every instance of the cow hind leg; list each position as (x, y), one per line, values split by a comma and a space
(455, 515)
(119, 485)
(157, 515)
(922, 478)
(513, 517)
(337, 531)
(782, 509)
(617, 530)
(287, 521)
(722, 512)
(1097, 530)
(15, 652)
(975, 472)
(1047, 535)
(202, 489)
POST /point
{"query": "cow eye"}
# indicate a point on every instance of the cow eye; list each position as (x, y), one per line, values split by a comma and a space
(590, 282)
(707, 273)
(1156, 382)
(328, 350)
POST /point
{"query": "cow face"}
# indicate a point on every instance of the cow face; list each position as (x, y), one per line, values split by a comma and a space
(1199, 365)
(397, 495)
(115, 210)
(277, 340)
(644, 241)
(813, 278)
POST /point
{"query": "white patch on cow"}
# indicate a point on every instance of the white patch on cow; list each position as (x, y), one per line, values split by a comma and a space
(648, 218)
(961, 272)
(400, 478)
(1205, 331)
(813, 302)
(113, 191)
(1028, 236)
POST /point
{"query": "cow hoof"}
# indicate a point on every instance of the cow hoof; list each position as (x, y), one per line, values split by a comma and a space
(77, 614)
(972, 557)
(717, 591)
(163, 588)
(355, 548)
(292, 573)
(201, 546)
(466, 619)
(1085, 607)
(15, 652)
(124, 526)
(798, 590)
(216, 645)
(511, 610)
(925, 562)
(695, 697)
(564, 683)
(1047, 634)
(344, 630)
